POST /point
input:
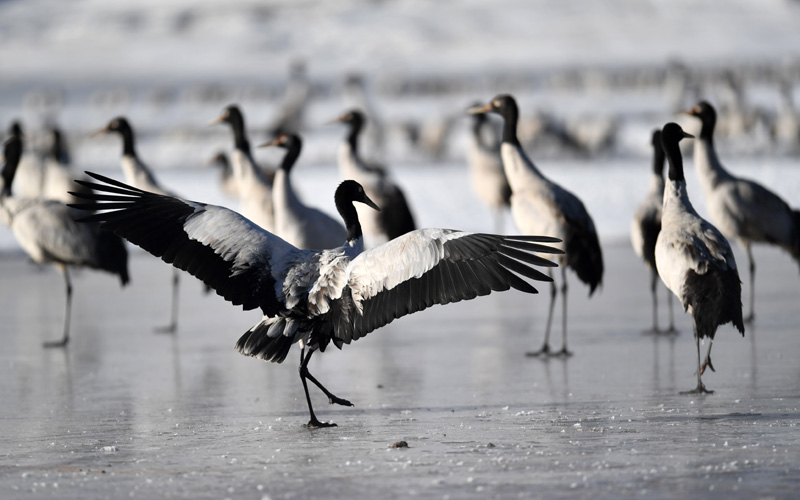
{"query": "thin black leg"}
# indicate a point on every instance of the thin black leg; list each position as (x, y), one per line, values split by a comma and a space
(564, 288)
(67, 314)
(313, 422)
(654, 296)
(700, 389)
(752, 316)
(545, 350)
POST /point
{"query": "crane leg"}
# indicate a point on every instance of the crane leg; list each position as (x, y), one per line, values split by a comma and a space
(752, 316)
(545, 350)
(68, 313)
(654, 296)
(671, 328)
(564, 351)
(173, 321)
(700, 389)
(707, 362)
(332, 399)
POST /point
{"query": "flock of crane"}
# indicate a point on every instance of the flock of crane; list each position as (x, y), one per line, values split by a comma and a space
(319, 281)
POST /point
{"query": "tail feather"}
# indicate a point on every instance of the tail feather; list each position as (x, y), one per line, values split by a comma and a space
(586, 258)
(112, 255)
(269, 340)
(716, 299)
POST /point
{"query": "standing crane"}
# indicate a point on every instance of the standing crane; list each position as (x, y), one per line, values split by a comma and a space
(695, 260)
(48, 232)
(540, 206)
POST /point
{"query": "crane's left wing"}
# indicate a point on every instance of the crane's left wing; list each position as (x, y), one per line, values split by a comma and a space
(434, 266)
(243, 262)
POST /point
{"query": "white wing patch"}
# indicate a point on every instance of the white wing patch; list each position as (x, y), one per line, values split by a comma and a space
(404, 258)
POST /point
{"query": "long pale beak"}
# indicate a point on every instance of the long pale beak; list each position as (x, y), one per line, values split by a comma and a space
(477, 110)
(366, 201)
(338, 119)
(691, 112)
(217, 121)
(274, 142)
(99, 132)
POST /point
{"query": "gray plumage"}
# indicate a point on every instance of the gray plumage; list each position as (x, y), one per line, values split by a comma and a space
(646, 225)
(299, 224)
(486, 167)
(744, 210)
(395, 218)
(694, 259)
(540, 206)
(253, 185)
(47, 231)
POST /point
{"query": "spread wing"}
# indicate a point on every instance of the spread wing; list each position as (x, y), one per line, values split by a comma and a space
(434, 266)
(229, 253)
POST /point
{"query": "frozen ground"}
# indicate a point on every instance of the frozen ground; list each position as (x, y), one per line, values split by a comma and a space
(125, 412)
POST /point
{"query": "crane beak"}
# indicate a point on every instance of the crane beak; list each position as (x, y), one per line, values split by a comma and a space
(478, 110)
(274, 142)
(338, 119)
(217, 121)
(695, 111)
(99, 132)
(366, 201)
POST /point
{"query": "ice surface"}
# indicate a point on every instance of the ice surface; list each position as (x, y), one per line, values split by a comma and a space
(187, 417)
(123, 412)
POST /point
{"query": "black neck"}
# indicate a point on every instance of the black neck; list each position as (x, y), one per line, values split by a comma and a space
(349, 215)
(239, 136)
(658, 159)
(352, 136)
(292, 153)
(510, 118)
(707, 131)
(12, 152)
(128, 145)
(58, 149)
(673, 153)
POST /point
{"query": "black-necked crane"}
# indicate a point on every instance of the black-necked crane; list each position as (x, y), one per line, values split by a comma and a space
(139, 175)
(299, 224)
(252, 183)
(742, 209)
(48, 233)
(318, 297)
(395, 217)
(694, 259)
(540, 206)
(646, 224)
(486, 167)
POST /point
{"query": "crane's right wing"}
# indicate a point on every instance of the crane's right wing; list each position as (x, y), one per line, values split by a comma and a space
(241, 261)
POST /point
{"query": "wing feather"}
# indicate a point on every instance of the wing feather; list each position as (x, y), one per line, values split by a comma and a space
(435, 266)
(229, 253)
